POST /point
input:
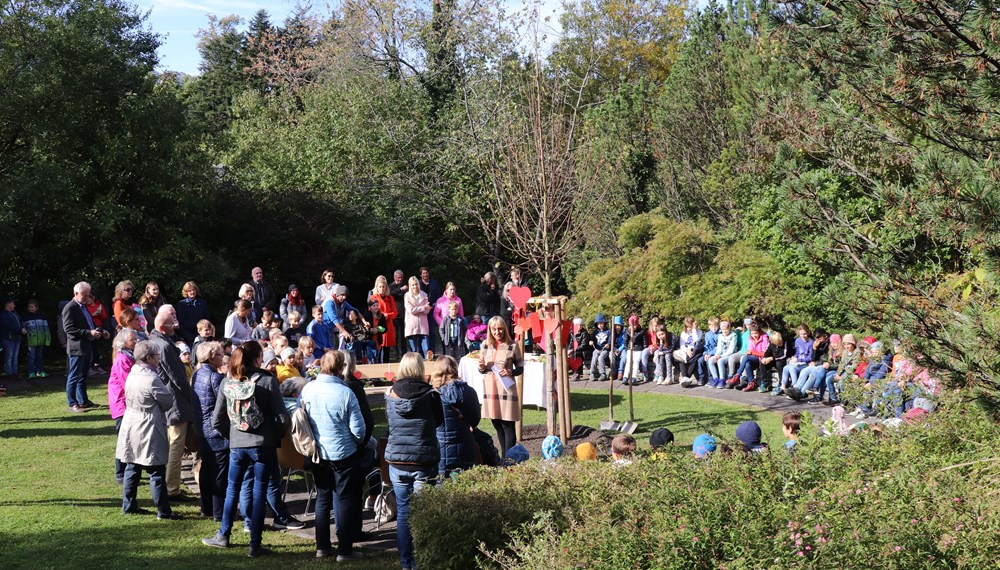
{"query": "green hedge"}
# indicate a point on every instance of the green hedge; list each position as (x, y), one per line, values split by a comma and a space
(925, 496)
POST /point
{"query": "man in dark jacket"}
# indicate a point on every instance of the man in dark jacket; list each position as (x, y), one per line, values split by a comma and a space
(80, 333)
(398, 289)
(433, 290)
(174, 376)
(262, 290)
(414, 411)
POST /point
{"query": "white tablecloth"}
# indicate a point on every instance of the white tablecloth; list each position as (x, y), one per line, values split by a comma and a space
(534, 379)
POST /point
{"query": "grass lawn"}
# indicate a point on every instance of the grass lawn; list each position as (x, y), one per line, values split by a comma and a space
(60, 506)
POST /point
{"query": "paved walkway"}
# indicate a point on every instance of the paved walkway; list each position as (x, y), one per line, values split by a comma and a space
(766, 402)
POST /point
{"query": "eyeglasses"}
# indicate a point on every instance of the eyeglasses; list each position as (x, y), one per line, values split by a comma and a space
(129, 289)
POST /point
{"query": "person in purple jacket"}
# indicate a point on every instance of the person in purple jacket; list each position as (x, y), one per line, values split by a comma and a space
(803, 355)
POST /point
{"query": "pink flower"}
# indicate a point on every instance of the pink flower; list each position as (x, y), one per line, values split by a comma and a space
(897, 549)
(694, 539)
(798, 542)
(913, 521)
(809, 548)
(800, 553)
(823, 539)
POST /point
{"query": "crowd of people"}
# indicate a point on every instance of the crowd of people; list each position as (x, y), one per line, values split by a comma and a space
(877, 378)
(175, 386)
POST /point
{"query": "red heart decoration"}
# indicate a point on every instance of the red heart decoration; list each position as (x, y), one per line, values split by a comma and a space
(519, 296)
(390, 376)
(357, 374)
(574, 363)
(535, 324)
(564, 332)
(550, 325)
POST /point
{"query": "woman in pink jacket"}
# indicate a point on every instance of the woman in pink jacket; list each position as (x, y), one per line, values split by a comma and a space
(441, 306)
(416, 325)
(123, 344)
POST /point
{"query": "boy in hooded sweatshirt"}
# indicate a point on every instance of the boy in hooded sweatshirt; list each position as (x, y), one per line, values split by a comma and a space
(600, 343)
(413, 410)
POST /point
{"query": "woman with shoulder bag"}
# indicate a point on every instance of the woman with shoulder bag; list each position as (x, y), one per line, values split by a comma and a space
(250, 410)
(461, 408)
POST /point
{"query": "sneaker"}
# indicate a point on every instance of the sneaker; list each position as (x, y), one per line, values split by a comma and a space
(814, 400)
(182, 497)
(218, 541)
(259, 550)
(246, 527)
(355, 555)
(750, 387)
(763, 389)
(603, 378)
(31, 375)
(42, 374)
(732, 381)
(169, 516)
(77, 409)
(777, 391)
(325, 553)
(289, 523)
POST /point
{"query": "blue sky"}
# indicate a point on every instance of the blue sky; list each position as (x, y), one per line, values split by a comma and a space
(177, 21)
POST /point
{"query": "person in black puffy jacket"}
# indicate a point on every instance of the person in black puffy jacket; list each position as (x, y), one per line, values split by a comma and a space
(413, 409)
(461, 408)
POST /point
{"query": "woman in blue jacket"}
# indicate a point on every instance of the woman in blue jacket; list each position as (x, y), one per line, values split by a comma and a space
(338, 426)
(461, 408)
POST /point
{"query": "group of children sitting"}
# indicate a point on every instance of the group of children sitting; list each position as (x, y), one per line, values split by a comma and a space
(752, 357)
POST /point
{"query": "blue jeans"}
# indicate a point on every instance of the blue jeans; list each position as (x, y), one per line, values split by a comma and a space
(828, 383)
(273, 493)
(157, 486)
(338, 486)
(76, 379)
(417, 343)
(35, 356)
(791, 374)
(405, 483)
(809, 377)
(241, 459)
(748, 365)
(11, 350)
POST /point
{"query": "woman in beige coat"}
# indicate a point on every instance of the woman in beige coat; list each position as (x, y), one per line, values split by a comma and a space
(501, 403)
(417, 308)
(142, 439)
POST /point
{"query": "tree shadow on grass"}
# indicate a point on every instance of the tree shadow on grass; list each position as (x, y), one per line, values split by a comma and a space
(103, 502)
(55, 432)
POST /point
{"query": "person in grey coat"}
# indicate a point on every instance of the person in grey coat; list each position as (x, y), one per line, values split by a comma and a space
(142, 439)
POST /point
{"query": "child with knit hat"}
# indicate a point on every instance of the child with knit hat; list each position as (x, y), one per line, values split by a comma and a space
(703, 446)
(749, 434)
(552, 448)
(586, 451)
(657, 441)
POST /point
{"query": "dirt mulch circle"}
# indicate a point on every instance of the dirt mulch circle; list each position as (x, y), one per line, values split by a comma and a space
(533, 435)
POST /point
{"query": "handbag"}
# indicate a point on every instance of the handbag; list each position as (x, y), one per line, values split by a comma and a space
(303, 438)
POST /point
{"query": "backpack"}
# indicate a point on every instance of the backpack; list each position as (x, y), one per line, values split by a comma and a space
(303, 438)
(241, 406)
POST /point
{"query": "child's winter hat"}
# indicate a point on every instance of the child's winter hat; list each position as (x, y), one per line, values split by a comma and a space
(869, 340)
(835, 338)
(184, 348)
(269, 357)
(660, 437)
(618, 320)
(849, 339)
(287, 353)
(703, 445)
(578, 321)
(586, 451)
(600, 318)
(749, 434)
(747, 321)
(633, 320)
(552, 447)
(517, 454)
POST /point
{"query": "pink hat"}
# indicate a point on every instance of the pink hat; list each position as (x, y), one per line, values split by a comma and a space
(835, 337)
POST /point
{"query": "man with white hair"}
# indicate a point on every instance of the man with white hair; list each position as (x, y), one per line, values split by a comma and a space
(174, 376)
(80, 334)
(263, 291)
